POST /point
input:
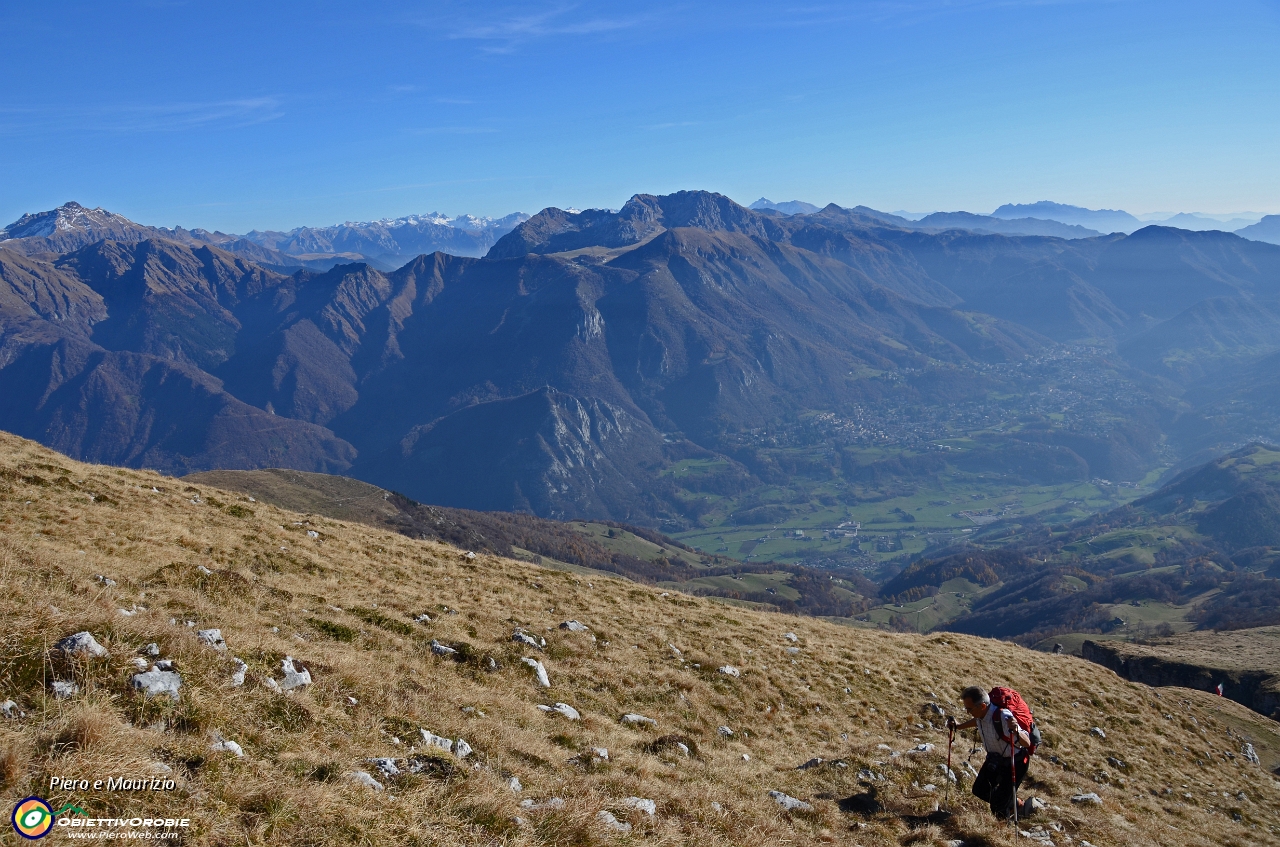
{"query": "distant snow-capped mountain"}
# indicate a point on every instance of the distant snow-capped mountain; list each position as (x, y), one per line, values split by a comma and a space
(386, 244)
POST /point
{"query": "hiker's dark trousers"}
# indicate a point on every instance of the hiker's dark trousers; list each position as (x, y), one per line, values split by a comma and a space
(995, 783)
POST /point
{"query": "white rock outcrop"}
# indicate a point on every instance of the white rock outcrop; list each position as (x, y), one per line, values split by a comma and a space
(157, 682)
(789, 803)
(574, 626)
(607, 819)
(431, 740)
(212, 638)
(562, 709)
(295, 674)
(729, 670)
(643, 804)
(81, 644)
(365, 779)
(539, 671)
(632, 719)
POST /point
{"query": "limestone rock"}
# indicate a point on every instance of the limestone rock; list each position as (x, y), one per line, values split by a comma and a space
(729, 670)
(81, 644)
(295, 675)
(789, 803)
(574, 626)
(156, 682)
(1098, 732)
(365, 779)
(649, 807)
(632, 719)
(607, 819)
(1090, 799)
(539, 671)
(212, 637)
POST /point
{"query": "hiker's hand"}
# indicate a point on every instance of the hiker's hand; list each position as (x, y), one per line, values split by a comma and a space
(951, 723)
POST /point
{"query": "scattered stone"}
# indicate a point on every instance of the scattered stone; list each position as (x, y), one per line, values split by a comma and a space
(935, 709)
(562, 709)
(746, 757)
(222, 745)
(729, 670)
(461, 749)
(790, 803)
(514, 784)
(921, 748)
(930, 787)
(791, 651)
(139, 663)
(441, 649)
(533, 805)
(82, 643)
(812, 763)
(1090, 799)
(790, 636)
(107, 581)
(212, 637)
(716, 807)
(1098, 732)
(295, 675)
(386, 765)
(1117, 763)
(1250, 755)
(539, 671)
(152, 649)
(204, 570)
(869, 776)
(311, 533)
(632, 719)
(64, 690)
(574, 626)
(9, 709)
(610, 822)
(1033, 805)
(423, 618)
(237, 678)
(601, 753)
(522, 637)
(725, 731)
(158, 681)
(649, 807)
(365, 779)
(430, 740)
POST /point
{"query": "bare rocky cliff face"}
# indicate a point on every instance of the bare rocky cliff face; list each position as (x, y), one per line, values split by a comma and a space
(1173, 664)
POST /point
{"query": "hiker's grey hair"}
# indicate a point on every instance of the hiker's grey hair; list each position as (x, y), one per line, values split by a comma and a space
(974, 694)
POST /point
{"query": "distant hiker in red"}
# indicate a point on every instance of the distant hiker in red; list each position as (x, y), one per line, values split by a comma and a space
(1009, 738)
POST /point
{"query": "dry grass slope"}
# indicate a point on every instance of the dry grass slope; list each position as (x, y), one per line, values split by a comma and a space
(344, 603)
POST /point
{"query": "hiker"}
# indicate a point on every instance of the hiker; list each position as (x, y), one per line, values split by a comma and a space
(995, 783)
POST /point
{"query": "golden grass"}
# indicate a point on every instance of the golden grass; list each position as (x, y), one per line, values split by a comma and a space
(344, 603)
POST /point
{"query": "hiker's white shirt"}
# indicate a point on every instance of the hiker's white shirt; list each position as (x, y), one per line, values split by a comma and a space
(993, 736)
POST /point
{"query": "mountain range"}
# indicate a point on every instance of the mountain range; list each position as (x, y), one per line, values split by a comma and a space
(385, 244)
(567, 371)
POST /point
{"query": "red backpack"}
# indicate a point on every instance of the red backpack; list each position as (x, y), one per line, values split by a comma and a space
(1007, 698)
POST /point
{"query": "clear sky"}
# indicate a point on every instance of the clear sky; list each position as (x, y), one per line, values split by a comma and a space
(274, 114)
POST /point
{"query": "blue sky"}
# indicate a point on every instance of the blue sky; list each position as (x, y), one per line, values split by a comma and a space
(273, 114)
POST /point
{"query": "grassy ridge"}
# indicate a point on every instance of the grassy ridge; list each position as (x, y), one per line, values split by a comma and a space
(346, 602)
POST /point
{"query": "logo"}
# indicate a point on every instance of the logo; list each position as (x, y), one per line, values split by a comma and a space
(32, 818)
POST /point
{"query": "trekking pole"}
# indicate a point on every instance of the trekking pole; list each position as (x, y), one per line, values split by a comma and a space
(1013, 771)
(951, 736)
